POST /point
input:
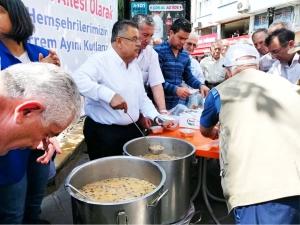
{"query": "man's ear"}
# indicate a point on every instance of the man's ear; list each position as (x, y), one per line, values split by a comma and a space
(291, 43)
(27, 109)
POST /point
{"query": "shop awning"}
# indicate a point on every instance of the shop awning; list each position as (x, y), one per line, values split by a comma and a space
(200, 51)
(205, 47)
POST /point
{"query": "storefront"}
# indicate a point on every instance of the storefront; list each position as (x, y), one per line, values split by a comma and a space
(205, 41)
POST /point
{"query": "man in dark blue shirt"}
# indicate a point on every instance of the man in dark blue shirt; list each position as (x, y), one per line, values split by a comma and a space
(176, 65)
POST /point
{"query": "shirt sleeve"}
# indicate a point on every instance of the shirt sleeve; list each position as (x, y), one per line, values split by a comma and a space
(155, 75)
(212, 105)
(189, 78)
(198, 73)
(169, 89)
(88, 80)
(147, 108)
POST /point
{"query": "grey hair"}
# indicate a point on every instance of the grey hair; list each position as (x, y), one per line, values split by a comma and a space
(213, 44)
(120, 28)
(285, 24)
(139, 19)
(49, 84)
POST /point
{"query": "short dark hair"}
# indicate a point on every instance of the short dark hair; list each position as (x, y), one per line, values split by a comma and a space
(181, 24)
(139, 19)
(260, 30)
(120, 27)
(283, 35)
(22, 25)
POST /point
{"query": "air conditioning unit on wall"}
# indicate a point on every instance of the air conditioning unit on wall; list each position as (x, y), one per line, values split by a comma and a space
(242, 6)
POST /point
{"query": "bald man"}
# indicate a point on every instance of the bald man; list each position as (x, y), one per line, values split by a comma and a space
(189, 46)
(226, 45)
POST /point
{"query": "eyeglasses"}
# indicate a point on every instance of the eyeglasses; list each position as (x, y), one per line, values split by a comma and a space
(135, 40)
(191, 44)
(275, 52)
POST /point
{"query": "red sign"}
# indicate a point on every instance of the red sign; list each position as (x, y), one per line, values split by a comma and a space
(233, 40)
(207, 39)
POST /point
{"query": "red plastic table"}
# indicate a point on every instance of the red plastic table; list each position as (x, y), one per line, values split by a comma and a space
(204, 149)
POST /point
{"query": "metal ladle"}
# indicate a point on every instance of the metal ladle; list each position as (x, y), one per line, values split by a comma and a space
(155, 152)
(75, 189)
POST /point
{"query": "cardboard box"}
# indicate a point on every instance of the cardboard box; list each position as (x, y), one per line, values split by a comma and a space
(190, 119)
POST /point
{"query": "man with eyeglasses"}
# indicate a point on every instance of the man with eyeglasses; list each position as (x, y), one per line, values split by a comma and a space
(175, 65)
(258, 131)
(226, 45)
(189, 46)
(212, 65)
(148, 62)
(279, 43)
(112, 85)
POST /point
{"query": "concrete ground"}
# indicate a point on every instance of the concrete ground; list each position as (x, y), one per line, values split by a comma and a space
(56, 208)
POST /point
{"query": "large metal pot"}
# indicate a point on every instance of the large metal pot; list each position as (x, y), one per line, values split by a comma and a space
(143, 210)
(176, 204)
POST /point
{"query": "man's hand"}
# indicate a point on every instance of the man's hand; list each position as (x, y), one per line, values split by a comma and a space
(183, 92)
(144, 122)
(51, 58)
(204, 91)
(50, 145)
(118, 102)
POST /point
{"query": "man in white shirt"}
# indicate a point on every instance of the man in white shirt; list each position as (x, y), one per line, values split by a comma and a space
(189, 46)
(266, 60)
(226, 45)
(112, 84)
(148, 62)
(212, 66)
(287, 66)
(296, 48)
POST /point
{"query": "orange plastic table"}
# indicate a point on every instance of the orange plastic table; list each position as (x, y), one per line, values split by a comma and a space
(203, 150)
(200, 142)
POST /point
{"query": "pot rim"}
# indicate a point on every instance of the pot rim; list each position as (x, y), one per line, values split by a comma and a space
(159, 137)
(70, 191)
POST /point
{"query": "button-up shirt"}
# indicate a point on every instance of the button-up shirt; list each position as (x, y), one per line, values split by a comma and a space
(102, 76)
(148, 62)
(291, 73)
(213, 70)
(175, 70)
(196, 70)
(266, 62)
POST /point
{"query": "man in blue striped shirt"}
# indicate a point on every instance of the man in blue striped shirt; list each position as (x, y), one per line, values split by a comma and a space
(175, 65)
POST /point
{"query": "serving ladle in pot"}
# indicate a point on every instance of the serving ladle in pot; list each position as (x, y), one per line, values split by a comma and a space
(152, 148)
(75, 189)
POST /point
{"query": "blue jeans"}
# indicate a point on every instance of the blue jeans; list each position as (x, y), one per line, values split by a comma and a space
(20, 202)
(279, 211)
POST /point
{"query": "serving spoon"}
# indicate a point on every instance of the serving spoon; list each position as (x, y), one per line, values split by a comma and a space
(150, 147)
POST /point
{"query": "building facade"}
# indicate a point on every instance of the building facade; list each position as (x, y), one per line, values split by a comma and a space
(235, 19)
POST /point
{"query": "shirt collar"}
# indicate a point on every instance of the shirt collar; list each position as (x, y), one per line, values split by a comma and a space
(170, 47)
(115, 56)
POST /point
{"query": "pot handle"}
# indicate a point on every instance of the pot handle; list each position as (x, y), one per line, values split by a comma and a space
(155, 201)
(122, 218)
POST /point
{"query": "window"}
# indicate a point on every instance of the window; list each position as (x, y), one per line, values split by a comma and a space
(224, 2)
(205, 7)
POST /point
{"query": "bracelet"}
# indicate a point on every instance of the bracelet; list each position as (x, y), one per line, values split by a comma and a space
(163, 111)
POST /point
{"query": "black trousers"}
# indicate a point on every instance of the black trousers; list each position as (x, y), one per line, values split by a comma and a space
(107, 140)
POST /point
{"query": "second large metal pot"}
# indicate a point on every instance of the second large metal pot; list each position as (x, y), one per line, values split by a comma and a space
(143, 210)
(176, 204)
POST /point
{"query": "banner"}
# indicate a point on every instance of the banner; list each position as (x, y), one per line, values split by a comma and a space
(75, 29)
(262, 20)
(164, 13)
